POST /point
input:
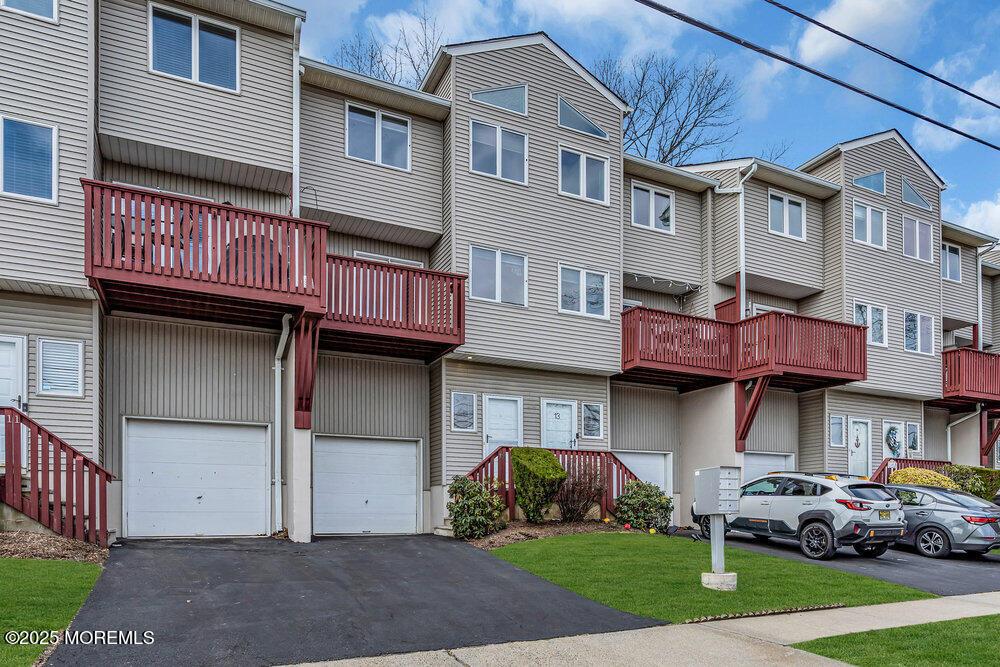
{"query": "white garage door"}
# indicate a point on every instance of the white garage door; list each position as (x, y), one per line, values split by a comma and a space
(652, 468)
(364, 486)
(188, 479)
(757, 464)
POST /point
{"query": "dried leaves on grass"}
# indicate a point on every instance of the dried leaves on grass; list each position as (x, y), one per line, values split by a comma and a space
(520, 531)
(20, 544)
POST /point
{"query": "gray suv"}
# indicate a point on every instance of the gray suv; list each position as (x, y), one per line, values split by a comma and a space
(941, 520)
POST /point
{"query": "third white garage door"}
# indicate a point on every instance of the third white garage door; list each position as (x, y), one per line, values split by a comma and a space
(363, 485)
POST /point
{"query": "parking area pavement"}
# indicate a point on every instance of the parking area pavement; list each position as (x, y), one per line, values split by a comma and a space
(959, 574)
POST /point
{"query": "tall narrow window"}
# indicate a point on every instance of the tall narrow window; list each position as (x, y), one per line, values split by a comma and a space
(572, 119)
(583, 292)
(189, 47)
(593, 420)
(652, 208)
(872, 317)
(874, 182)
(44, 8)
(918, 332)
(786, 215)
(60, 367)
(498, 276)
(869, 225)
(951, 262)
(374, 136)
(497, 151)
(917, 239)
(582, 175)
(912, 437)
(463, 411)
(511, 98)
(911, 196)
(28, 163)
(837, 432)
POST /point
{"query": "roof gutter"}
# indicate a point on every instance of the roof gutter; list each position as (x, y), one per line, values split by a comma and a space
(741, 228)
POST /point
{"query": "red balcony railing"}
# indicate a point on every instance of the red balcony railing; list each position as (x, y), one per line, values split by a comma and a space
(400, 301)
(970, 374)
(676, 343)
(171, 241)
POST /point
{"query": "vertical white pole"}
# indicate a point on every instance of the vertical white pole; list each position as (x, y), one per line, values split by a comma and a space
(718, 542)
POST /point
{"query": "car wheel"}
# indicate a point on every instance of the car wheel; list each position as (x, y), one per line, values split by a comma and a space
(933, 543)
(762, 538)
(705, 523)
(871, 550)
(816, 541)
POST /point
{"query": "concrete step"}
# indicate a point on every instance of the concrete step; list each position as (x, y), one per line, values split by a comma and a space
(444, 531)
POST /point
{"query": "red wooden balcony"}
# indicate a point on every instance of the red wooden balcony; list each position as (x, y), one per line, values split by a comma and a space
(174, 255)
(969, 376)
(379, 308)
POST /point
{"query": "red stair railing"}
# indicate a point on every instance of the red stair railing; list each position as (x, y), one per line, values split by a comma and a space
(881, 474)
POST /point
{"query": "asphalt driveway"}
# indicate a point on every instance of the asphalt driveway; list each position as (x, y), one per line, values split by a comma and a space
(266, 602)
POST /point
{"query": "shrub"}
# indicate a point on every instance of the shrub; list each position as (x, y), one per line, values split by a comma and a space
(982, 482)
(921, 476)
(582, 488)
(475, 508)
(537, 476)
(644, 506)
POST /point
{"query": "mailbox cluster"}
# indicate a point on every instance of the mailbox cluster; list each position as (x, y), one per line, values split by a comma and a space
(717, 490)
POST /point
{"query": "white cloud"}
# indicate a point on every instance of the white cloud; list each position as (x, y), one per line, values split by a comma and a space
(892, 25)
(957, 109)
(763, 85)
(326, 24)
(983, 215)
(459, 20)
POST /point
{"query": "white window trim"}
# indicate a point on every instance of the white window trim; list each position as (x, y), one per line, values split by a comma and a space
(387, 259)
(496, 265)
(653, 190)
(497, 89)
(195, 27)
(583, 292)
(885, 224)
(475, 411)
(933, 333)
(583, 175)
(930, 206)
(771, 192)
(54, 18)
(945, 245)
(606, 137)
(885, 321)
(918, 221)
(854, 182)
(80, 349)
(55, 163)
(499, 152)
(843, 431)
(520, 418)
(378, 136)
(576, 419)
(583, 430)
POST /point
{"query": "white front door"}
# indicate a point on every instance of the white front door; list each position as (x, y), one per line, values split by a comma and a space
(859, 447)
(559, 424)
(501, 422)
(12, 372)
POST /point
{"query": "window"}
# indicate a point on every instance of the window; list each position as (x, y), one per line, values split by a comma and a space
(874, 182)
(872, 317)
(582, 175)
(499, 276)
(593, 420)
(583, 292)
(630, 303)
(869, 225)
(918, 333)
(837, 431)
(60, 367)
(911, 196)
(463, 411)
(801, 487)
(951, 262)
(763, 487)
(509, 162)
(912, 498)
(892, 439)
(869, 492)
(374, 136)
(188, 47)
(511, 98)
(572, 119)
(28, 168)
(917, 239)
(653, 208)
(43, 8)
(786, 215)
(913, 436)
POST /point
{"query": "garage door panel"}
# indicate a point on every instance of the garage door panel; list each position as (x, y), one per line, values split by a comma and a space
(759, 464)
(359, 503)
(193, 498)
(368, 523)
(373, 483)
(198, 524)
(204, 450)
(174, 475)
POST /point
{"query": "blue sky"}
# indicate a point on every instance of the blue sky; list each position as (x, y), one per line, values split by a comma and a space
(954, 38)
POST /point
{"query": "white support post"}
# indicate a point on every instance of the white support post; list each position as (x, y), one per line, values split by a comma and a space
(718, 544)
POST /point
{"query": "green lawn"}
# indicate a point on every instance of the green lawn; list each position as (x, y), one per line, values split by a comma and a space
(967, 641)
(40, 595)
(660, 577)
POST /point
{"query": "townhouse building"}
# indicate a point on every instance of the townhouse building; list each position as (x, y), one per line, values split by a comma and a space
(243, 291)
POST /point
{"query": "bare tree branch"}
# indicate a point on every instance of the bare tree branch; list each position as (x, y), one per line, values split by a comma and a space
(775, 150)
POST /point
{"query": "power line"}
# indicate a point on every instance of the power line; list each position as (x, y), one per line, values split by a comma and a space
(806, 68)
(882, 53)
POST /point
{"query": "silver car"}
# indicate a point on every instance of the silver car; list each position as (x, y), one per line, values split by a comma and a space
(941, 520)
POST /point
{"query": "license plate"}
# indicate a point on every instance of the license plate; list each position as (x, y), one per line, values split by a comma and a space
(883, 515)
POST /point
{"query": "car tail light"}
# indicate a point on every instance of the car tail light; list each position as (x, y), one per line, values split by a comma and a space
(980, 520)
(855, 505)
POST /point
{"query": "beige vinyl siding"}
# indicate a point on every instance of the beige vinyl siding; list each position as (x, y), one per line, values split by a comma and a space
(253, 126)
(184, 371)
(813, 431)
(339, 188)
(871, 407)
(699, 302)
(346, 244)
(990, 294)
(829, 304)
(258, 200)
(725, 225)
(887, 277)
(534, 219)
(437, 422)
(776, 427)
(644, 419)
(936, 434)
(958, 300)
(996, 309)
(770, 300)
(46, 79)
(463, 451)
(651, 299)
(652, 253)
(33, 317)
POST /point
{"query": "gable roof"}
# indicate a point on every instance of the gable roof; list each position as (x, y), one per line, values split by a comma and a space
(967, 235)
(446, 52)
(872, 139)
(772, 173)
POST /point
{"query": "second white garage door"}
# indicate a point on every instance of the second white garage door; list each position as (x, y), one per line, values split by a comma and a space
(757, 464)
(364, 485)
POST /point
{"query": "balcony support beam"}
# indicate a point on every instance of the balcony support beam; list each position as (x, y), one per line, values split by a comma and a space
(747, 407)
(306, 352)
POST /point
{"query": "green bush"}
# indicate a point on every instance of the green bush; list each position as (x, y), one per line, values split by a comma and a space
(644, 506)
(982, 482)
(922, 477)
(475, 508)
(537, 477)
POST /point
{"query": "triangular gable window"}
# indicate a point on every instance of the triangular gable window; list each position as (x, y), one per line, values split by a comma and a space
(874, 182)
(511, 98)
(911, 196)
(572, 119)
